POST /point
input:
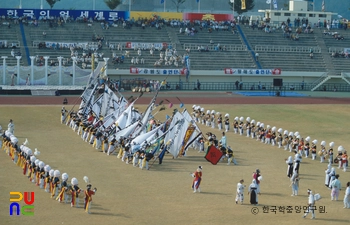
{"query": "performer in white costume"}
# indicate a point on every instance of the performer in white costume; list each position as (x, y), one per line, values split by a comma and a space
(240, 192)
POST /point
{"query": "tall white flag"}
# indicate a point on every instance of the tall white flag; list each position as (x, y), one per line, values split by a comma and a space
(275, 4)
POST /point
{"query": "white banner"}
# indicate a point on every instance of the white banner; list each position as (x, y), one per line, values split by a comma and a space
(275, 71)
(142, 45)
(151, 71)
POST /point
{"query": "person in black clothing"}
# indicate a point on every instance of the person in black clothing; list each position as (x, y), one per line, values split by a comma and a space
(149, 156)
(198, 85)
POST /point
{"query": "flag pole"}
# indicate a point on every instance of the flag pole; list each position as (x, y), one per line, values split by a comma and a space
(164, 5)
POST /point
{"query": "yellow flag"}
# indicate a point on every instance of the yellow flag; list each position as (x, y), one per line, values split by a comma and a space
(243, 4)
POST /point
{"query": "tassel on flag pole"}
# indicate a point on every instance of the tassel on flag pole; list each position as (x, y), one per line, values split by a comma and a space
(181, 104)
(170, 103)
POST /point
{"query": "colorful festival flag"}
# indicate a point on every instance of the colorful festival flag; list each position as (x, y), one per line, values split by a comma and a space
(213, 155)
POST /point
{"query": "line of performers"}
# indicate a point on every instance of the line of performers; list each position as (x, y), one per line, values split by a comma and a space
(43, 175)
(271, 135)
(123, 147)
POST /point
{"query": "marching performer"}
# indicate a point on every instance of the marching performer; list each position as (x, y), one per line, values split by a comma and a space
(248, 127)
(254, 128)
(213, 119)
(240, 192)
(197, 179)
(273, 136)
(41, 174)
(74, 190)
(254, 191)
(202, 116)
(219, 121)
(47, 169)
(62, 196)
(279, 137)
(55, 184)
(311, 205)
(347, 196)
(331, 177)
(327, 172)
(336, 188)
(295, 183)
(88, 197)
(290, 167)
(262, 130)
(240, 126)
(207, 118)
(297, 161)
(257, 177)
(235, 124)
(11, 127)
(50, 181)
(285, 140)
(313, 149)
(307, 147)
(223, 140)
(268, 134)
(112, 146)
(339, 157)
(63, 114)
(227, 122)
(330, 153)
(230, 156)
(344, 161)
(322, 151)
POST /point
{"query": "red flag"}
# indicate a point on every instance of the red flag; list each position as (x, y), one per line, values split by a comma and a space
(213, 155)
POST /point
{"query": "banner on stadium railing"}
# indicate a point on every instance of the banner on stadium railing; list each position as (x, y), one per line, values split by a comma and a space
(41, 13)
(143, 45)
(156, 15)
(207, 16)
(150, 71)
(275, 71)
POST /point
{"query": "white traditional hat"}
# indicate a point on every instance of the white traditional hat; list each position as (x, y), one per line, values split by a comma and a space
(331, 144)
(74, 181)
(202, 109)
(32, 158)
(217, 113)
(64, 176)
(290, 134)
(296, 133)
(314, 142)
(268, 126)
(241, 119)
(227, 115)
(323, 143)
(279, 130)
(340, 148)
(212, 111)
(236, 118)
(36, 162)
(262, 125)
(41, 164)
(248, 119)
(285, 132)
(56, 173)
(273, 129)
(253, 122)
(51, 172)
(307, 139)
(194, 106)
(47, 168)
(258, 124)
(208, 111)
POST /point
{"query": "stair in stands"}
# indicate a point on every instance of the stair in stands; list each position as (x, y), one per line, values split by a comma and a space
(326, 56)
(173, 38)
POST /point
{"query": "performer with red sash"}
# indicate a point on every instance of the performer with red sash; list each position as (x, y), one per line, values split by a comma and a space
(75, 190)
(55, 184)
(88, 197)
(197, 180)
(62, 195)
